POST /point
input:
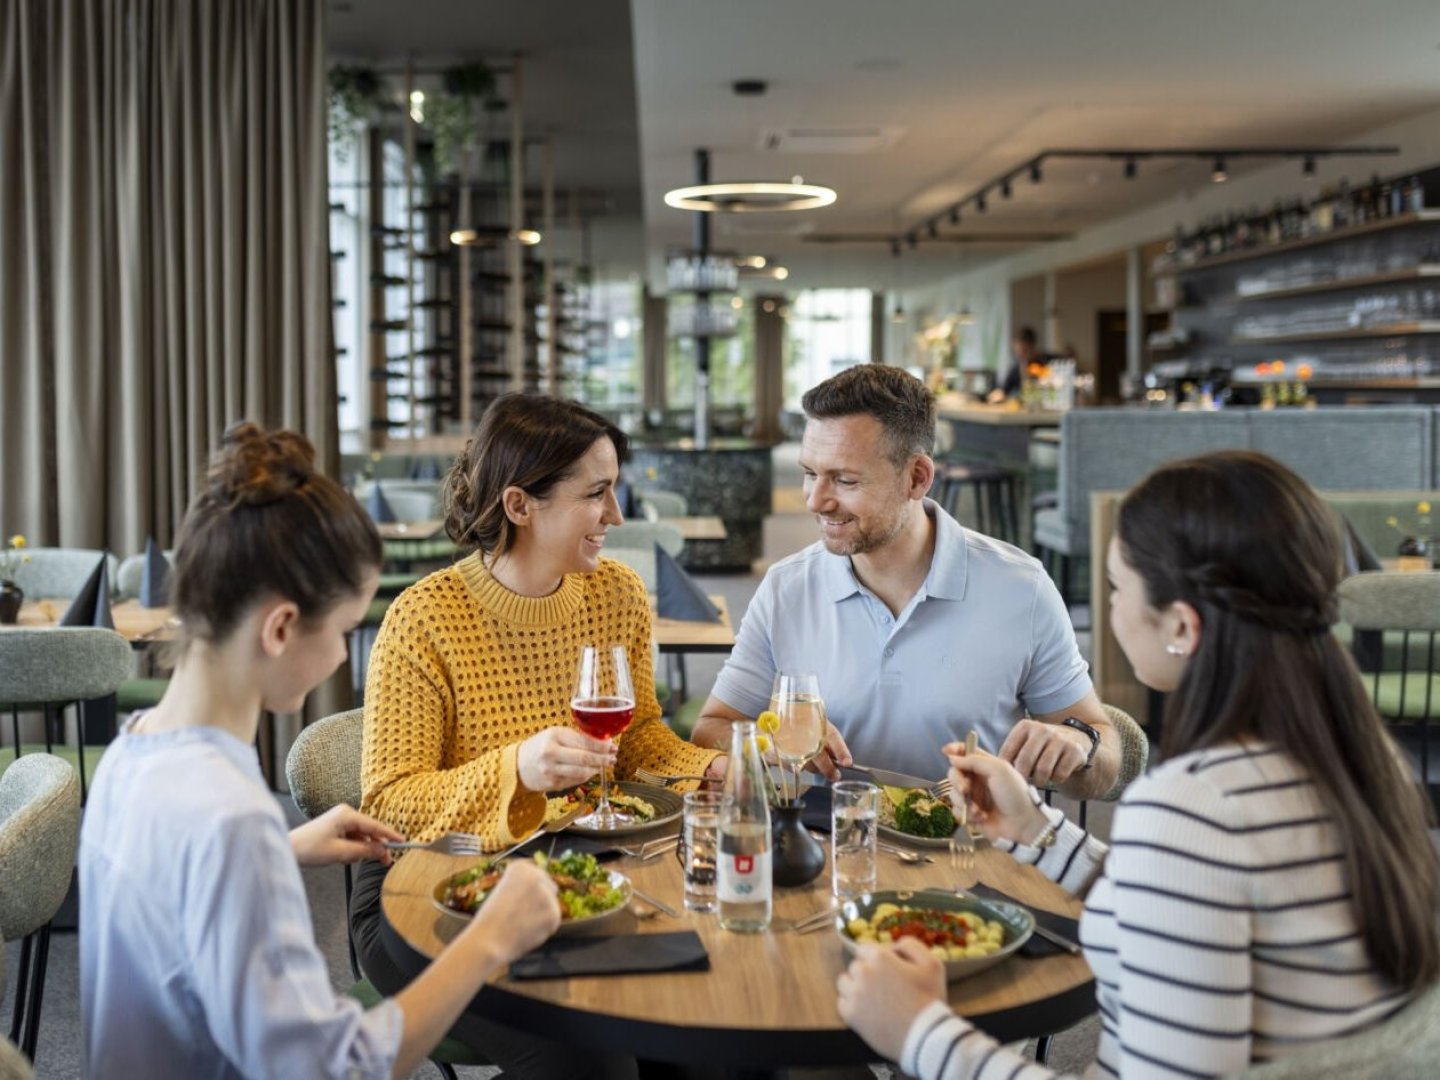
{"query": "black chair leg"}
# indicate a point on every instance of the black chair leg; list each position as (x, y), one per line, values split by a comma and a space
(22, 979)
(1042, 1048)
(31, 1035)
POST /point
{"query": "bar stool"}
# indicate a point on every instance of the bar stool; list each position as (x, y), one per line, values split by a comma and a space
(994, 493)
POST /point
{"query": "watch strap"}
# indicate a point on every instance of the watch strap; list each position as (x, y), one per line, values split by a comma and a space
(1081, 726)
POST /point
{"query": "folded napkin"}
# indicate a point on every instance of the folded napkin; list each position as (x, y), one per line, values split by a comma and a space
(1359, 556)
(603, 850)
(425, 468)
(377, 506)
(91, 606)
(155, 583)
(677, 596)
(1036, 946)
(617, 954)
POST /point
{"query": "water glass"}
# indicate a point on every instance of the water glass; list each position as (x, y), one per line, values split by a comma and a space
(699, 847)
(855, 807)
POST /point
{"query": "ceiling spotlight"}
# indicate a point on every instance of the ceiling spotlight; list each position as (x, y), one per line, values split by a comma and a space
(980, 202)
(489, 237)
(528, 237)
(780, 273)
(1005, 188)
(1308, 168)
(955, 215)
(1132, 167)
(737, 303)
(1035, 172)
(898, 315)
(751, 262)
(1219, 175)
(933, 230)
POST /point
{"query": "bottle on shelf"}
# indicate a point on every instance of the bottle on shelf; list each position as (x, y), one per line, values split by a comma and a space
(743, 884)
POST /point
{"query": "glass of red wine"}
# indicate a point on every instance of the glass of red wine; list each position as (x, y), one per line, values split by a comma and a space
(603, 705)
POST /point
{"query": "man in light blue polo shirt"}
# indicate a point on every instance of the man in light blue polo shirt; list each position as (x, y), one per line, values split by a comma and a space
(918, 628)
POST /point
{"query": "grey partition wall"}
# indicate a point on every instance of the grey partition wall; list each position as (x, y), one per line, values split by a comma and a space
(1385, 448)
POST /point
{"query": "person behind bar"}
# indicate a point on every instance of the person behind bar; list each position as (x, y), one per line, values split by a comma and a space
(1272, 884)
(467, 696)
(197, 953)
(918, 628)
(1024, 351)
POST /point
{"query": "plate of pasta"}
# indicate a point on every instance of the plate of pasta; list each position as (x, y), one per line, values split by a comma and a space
(968, 934)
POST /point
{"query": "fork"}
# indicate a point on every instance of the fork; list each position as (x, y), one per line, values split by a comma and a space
(962, 844)
(450, 843)
(645, 776)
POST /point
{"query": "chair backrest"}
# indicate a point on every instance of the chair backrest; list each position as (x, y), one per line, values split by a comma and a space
(1395, 619)
(131, 574)
(1134, 750)
(666, 503)
(323, 766)
(1404, 1047)
(635, 534)
(61, 572)
(412, 500)
(61, 664)
(1349, 449)
(639, 559)
(39, 834)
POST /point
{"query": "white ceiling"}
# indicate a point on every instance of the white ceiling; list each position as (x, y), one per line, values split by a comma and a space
(630, 90)
(980, 87)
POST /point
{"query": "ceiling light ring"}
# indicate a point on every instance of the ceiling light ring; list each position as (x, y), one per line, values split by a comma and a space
(730, 197)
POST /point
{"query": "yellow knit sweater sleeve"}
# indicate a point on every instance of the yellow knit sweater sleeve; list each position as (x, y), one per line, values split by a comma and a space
(463, 671)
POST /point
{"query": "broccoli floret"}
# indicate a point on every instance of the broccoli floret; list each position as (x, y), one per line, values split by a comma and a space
(920, 815)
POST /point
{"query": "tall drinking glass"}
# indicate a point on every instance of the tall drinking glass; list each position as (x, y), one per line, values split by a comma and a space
(855, 808)
(795, 699)
(603, 705)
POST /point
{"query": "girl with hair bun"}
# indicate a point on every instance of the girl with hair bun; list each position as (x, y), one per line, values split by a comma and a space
(1269, 886)
(197, 951)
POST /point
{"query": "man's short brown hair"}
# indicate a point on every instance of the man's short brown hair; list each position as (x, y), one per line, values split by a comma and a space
(901, 403)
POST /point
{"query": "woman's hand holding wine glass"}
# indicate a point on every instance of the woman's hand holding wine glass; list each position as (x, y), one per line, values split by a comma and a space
(561, 757)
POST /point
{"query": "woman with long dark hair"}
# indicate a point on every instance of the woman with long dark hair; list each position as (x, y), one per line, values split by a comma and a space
(1272, 883)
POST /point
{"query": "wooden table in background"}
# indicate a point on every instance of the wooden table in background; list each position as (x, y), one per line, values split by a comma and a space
(768, 1000)
(698, 528)
(408, 530)
(136, 624)
(683, 636)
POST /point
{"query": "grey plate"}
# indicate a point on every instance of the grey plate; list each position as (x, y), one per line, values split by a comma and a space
(667, 808)
(1019, 923)
(568, 926)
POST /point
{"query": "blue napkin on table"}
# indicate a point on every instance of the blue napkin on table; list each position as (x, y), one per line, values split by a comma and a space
(377, 506)
(1359, 556)
(677, 596)
(619, 954)
(155, 584)
(425, 468)
(91, 606)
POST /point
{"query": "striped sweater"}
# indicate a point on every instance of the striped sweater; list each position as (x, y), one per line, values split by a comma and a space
(1220, 932)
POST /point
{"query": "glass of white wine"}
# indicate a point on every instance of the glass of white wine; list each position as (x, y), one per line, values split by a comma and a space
(795, 699)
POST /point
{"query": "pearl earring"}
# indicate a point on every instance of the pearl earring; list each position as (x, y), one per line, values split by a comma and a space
(1176, 650)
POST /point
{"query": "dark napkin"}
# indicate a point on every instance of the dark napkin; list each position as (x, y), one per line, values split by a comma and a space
(377, 506)
(603, 850)
(677, 596)
(91, 606)
(155, 582)
(618, 954)
(1036, 946)
(1359, 556)
(425, 468)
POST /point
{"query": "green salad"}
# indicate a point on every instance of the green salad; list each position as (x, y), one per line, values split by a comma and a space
(585, 888)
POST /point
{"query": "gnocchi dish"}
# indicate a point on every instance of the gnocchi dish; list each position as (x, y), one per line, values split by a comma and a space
(950, 935)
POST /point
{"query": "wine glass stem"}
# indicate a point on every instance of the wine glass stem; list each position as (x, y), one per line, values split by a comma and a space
(604, 807)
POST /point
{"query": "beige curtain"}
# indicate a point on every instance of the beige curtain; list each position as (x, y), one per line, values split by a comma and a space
(164, 264)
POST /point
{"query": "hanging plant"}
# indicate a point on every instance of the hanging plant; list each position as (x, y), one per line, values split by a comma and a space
(354, 93)
(451, 114)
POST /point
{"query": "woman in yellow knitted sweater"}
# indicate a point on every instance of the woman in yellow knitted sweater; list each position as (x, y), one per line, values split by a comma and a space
(467, 700)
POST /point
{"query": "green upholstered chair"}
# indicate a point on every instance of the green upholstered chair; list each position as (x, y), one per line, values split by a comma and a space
(39, 834)
(1395, 623)
(323, 769)
(48, 669)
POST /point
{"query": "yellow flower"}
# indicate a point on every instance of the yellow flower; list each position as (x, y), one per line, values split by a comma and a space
(763, 742)
(767, 721)
(1423, 507)
(1393, 521)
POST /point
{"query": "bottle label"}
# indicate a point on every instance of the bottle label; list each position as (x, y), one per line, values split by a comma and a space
(744, 878)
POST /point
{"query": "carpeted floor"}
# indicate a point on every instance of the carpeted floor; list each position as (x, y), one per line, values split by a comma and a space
(58, 1055)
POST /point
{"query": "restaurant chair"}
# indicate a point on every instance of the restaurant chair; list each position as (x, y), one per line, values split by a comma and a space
(47, 669)
(644, 534)
(60, 573)
(994, 493)
(323, 769)
(665, 504)
(39, 835)
(1395, 622)
(1406, 1046)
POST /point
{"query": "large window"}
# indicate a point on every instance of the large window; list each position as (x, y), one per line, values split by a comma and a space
(614, 341)
(828, 331)
(732, 367)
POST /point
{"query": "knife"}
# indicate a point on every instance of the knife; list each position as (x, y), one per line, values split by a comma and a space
(549, 827)
(887, 778)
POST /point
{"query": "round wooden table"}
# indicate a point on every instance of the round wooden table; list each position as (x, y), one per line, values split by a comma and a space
(768, 1000)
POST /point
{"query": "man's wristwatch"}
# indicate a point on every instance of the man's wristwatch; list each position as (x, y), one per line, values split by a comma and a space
(1086, 729)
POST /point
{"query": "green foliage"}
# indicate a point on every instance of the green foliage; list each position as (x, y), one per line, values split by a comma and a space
(452, 113)
(354, 93)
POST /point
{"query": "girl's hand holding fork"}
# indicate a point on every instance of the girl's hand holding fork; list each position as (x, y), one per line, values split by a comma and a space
(1000, 801)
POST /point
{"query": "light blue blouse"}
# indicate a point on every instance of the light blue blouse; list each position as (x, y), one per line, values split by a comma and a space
(985, 639)
(197, 951)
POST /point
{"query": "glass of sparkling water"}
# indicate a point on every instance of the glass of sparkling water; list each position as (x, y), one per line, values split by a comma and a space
(855, 805)
(698, 847)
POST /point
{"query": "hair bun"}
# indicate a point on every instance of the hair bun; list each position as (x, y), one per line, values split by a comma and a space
(255, 467)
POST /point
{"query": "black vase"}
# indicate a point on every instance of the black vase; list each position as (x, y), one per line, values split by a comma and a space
(11, 597)
(796, 857)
